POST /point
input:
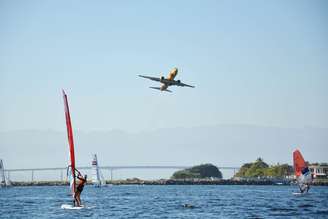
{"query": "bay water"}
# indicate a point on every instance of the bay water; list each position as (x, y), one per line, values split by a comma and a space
(166, 201)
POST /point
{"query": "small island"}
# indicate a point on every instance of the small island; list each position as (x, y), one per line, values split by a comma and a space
(260, 169)
(203, 171)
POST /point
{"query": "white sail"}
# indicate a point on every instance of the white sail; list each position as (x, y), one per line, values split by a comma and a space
(305, 177)
(3, 181)
(96, 180)
(2, 175)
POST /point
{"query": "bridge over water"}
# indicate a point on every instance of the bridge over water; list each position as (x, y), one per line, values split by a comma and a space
(63, 170)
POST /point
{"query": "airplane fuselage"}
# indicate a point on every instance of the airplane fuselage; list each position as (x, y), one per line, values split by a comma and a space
(172, 74)
(166, 82)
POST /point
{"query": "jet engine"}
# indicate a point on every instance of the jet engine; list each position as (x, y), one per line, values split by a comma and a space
(178, 81)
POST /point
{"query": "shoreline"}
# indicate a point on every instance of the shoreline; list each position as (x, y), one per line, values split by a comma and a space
(175, 182)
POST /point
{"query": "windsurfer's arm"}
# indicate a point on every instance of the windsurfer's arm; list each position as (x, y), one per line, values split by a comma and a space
(78, 173)
(80, 177)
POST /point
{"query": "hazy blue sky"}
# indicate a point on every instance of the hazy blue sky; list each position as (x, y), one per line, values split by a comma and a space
(252, 62)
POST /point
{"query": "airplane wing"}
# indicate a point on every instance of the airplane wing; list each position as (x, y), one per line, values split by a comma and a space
(151, 78)
(184, 85)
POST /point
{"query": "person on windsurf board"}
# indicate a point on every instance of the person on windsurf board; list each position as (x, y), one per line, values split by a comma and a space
(302, 172)
(73, 174)
(79, 189)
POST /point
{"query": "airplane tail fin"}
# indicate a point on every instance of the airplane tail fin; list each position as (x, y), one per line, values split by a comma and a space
(158, 88)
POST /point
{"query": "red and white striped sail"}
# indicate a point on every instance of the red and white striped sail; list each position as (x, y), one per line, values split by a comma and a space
(71, 145)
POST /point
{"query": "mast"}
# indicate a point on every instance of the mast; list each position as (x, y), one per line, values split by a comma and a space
(71, 145)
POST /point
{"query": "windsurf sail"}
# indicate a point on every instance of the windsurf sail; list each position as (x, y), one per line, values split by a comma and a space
(71, 168)
(299, 162)
(302, 172)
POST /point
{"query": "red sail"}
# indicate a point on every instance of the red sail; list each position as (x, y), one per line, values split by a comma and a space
(299, 162)
(70, 142)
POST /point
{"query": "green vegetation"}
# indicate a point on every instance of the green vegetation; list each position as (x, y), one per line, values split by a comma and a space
(198, 172)
(261, 169)
(280, 170)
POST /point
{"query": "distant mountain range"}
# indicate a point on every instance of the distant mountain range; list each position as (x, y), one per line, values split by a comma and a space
(222, 145)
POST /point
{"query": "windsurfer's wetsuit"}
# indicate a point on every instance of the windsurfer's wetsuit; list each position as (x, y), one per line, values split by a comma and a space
(81, 184)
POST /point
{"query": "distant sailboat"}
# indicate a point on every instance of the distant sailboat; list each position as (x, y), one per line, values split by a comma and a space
(96, 179)
(3, 181)
(2, 172)
(302, 172)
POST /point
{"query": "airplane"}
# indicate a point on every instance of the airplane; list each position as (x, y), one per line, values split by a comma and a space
(166, 82)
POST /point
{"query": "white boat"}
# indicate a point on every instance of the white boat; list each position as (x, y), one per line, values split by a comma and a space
(96, 175)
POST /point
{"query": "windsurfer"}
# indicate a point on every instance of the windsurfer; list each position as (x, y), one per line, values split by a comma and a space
(79, 189)
(302, 172)
(306, 178)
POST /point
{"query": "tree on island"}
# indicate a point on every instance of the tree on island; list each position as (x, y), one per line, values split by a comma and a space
(261, 169)
(198, 172)
(280, 170)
